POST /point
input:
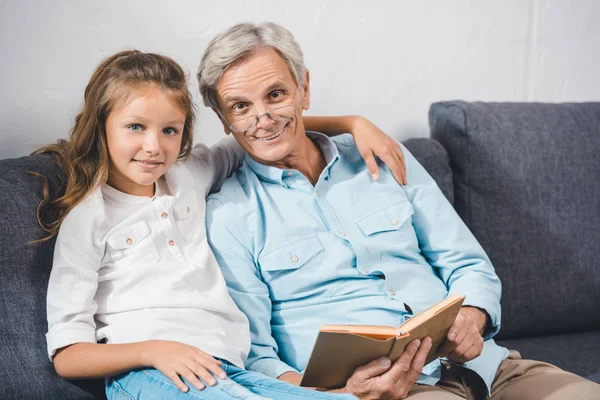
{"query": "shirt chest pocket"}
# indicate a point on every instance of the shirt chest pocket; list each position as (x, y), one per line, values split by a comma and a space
(290, 270)
(132, 244)
(393, 218)
(189, 213)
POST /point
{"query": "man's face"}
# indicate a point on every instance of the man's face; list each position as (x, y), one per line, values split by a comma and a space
(254, 86)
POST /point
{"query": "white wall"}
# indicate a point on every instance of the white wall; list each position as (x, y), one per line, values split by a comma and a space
(387, 60)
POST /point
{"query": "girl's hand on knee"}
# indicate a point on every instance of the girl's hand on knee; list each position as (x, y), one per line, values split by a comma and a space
(177, 360)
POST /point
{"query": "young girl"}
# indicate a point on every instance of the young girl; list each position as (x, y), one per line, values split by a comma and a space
(135, 293)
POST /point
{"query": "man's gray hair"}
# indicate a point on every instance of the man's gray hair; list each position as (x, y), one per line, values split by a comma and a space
(239, 42)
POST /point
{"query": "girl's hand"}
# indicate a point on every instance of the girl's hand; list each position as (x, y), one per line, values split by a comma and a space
(371, 142)
(176, 360)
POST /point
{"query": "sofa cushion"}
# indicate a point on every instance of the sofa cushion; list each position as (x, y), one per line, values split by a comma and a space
(434, 159)
(25, 268)
(564, 351)
(527, 183)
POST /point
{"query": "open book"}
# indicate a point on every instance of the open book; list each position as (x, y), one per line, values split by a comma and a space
(341, 349)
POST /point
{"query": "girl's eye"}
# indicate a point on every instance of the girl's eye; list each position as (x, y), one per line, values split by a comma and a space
(135, 128)
(170, 131)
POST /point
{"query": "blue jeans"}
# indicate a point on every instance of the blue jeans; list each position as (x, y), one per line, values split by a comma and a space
(151, 384)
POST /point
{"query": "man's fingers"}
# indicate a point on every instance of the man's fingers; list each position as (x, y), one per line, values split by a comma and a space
(373, 369)
(402, 364)
(420, 357)
(446, 348)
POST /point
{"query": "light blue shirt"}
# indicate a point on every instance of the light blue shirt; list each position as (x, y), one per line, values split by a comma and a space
(348, 250)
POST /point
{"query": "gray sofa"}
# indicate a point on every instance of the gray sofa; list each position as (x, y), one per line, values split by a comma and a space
(524, 177)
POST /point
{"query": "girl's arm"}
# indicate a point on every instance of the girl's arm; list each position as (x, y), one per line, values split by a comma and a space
(173, 359)
(370, 141)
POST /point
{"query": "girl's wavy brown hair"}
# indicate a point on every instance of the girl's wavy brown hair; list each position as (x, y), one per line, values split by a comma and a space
(84, 157)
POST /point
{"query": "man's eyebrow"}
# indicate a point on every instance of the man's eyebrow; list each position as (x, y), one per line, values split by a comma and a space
(232, 98)
(276, 85)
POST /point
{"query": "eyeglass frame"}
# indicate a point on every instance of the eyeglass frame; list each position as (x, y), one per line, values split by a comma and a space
(257, 117)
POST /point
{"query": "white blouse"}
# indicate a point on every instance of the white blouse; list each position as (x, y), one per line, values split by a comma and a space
(129, 269)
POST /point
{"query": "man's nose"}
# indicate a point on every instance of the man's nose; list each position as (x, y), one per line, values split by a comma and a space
(265, 120)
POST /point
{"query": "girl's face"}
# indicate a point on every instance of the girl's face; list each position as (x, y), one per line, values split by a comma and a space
(144, 134)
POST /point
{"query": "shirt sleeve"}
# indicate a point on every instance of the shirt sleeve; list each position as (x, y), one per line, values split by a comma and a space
(73, 283)
(449, 245)
(245, 286)
(217, 163)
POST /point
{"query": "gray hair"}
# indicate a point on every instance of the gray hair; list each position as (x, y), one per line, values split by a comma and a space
(239, 42)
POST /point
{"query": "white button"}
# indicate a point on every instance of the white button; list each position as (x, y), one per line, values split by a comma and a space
(364, 270)
(188, 209)
(171, 243)
(318, 193)
(164, 215)
(394, 221)
(294, 259)
(343, 234)
(129, 241)
(290, 173)
(391, 293)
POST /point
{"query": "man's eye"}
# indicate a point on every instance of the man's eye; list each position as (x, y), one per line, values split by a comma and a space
(135, 127)
(276, 94)
(239, 107)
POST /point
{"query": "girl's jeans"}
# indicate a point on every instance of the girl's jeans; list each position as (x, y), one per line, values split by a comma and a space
(150, 384)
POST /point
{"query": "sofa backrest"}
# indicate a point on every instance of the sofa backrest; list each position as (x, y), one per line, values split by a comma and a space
(527, 183)
(26, 371)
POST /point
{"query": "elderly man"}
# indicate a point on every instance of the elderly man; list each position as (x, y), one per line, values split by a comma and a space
(306, 237)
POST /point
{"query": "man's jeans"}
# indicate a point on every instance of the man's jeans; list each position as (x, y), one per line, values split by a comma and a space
(151, 384)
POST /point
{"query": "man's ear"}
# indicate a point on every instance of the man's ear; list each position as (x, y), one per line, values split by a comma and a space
(225, 124)
(306, 94)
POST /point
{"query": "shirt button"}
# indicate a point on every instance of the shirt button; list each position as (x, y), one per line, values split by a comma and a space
(164, 215)
(394, 221)
(364, 270)
(129, 241)
(294, 259)
(290, 173)
(318, 193)
(391, 293)
(188, 209)
(343, 234)
(171, 243)
(281, 184)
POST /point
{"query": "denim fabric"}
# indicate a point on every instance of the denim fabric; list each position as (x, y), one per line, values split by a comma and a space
(151, 384)
(527, 183)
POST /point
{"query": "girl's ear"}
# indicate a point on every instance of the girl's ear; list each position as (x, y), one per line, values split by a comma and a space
(306, 89)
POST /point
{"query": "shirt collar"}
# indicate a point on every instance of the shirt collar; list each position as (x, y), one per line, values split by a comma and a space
(276, 175)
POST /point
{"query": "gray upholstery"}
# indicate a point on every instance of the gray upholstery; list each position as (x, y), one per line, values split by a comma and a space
(574, 352)
(527, 183)
(25, 371)
(434, 159)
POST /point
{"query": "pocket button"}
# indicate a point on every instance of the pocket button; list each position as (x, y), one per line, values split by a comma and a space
(394, 221)
(294, 259)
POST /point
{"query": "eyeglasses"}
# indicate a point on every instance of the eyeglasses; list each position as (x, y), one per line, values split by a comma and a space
(278, 115)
